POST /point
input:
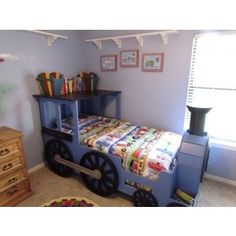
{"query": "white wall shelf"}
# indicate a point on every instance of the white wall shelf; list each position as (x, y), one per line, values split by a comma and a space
(139, 37)
(50, 37)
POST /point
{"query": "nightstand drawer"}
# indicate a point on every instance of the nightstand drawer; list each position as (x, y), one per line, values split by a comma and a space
(192, 149)
(12, 179)
(13, 193)
(12, 163)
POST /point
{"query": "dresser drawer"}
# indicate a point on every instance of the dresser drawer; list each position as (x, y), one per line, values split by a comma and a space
(12, 179)
(11, 164)
(9, 147)
(14, 192)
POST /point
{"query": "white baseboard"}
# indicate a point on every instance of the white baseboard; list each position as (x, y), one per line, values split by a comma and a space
(220, 179)
(35, 168)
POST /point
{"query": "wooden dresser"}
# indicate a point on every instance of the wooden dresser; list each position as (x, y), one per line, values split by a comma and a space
(14, 178)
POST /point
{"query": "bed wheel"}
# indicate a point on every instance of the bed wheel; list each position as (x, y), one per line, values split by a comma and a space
(56, 147)
(142, 198)
(109, 180)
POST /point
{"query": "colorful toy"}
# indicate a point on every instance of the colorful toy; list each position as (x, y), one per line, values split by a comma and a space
(185, 197)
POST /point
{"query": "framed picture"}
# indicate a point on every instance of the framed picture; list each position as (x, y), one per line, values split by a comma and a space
(108, 63)
(129, 58)
(153, 62)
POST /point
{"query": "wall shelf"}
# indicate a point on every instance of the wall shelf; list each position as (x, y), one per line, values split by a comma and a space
(50, 37)
(139, 37)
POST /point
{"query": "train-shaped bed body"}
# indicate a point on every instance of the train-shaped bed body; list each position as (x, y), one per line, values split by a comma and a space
(103, 173)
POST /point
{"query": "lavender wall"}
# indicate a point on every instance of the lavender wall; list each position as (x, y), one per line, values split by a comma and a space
(18, 109)
(156, 99)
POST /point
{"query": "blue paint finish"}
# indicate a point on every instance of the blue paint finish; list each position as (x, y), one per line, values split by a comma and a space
(192, 158)
(188, 179)
(58, 116)
(43, 110)
(75, 107)
(118, 115)
(162, 187)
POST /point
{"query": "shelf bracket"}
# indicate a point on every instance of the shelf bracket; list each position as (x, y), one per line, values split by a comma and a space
(98, 43)
(50, 39)
(140, 40)
(117, 42)
(164, 37)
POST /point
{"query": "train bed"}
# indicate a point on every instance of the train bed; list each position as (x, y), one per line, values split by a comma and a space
(111, 154)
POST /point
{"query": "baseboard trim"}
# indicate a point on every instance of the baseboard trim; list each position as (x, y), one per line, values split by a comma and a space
(35, 168)
(220, 179)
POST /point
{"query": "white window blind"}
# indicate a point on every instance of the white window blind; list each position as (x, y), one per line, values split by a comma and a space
(212, 82)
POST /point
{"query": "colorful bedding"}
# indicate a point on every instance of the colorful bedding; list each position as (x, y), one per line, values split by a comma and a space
(144, 151)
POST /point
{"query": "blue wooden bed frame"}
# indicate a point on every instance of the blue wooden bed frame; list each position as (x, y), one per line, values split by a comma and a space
(162, 189)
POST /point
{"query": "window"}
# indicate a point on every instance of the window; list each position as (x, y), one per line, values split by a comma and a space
(212, 82)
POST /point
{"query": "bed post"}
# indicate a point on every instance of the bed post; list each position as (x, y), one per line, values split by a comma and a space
(43, 110)
(58, 116)
(75, 111)
(117, 96)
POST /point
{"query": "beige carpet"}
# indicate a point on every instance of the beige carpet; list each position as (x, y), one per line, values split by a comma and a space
(48, 185)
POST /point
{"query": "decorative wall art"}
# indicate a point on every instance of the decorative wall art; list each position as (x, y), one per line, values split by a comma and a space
(152, 62)
(129, 58)
(108, 63)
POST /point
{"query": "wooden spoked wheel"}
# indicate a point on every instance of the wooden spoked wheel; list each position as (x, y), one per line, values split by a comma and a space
(142, 198)
(108, 182)
(54, 148)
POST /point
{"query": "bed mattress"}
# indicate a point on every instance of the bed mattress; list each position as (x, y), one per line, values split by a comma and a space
(142, 150)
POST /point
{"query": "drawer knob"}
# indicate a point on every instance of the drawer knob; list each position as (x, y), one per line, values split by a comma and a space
(4, 152)
(13, 180)
(12, 192)
(7, 166)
